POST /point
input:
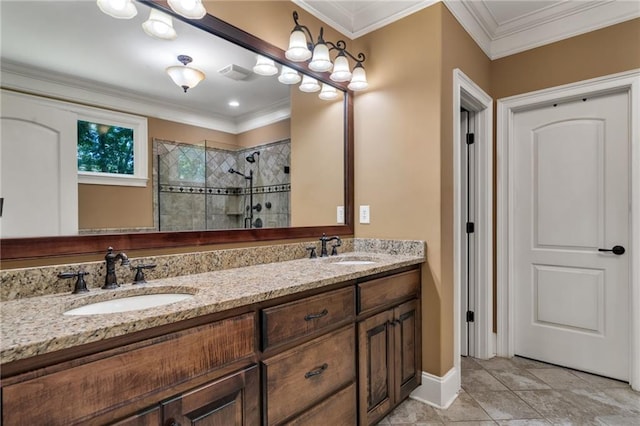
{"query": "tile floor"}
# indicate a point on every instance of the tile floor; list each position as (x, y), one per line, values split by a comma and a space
(522, 392)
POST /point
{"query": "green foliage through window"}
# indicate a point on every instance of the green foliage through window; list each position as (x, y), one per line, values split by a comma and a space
(104, 148)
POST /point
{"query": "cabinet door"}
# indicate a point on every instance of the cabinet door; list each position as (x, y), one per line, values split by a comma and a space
(406, 349)
(376, 387)
(230, 401)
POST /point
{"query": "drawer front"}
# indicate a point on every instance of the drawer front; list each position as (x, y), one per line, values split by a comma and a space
(307, 316)
(73, 395)
(303, 376)
(388, 290)
(339, 409)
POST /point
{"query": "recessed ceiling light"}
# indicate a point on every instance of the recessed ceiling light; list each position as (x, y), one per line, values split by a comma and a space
(234, 104)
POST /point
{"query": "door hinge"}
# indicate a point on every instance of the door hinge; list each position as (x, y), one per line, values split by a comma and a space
(470, 138)
(470, 316)
(470, 227)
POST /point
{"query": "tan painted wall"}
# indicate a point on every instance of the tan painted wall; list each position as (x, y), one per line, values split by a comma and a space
(598, 53)
(317, 159)
(272, 133)
(404, 152)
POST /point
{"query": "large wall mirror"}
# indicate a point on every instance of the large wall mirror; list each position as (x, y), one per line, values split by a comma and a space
(240, 157)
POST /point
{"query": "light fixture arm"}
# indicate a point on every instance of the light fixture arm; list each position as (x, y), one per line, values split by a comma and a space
(341, 47)
(305, 30)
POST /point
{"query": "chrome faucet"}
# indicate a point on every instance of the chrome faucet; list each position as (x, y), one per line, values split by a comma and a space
(324, 239)
(111, 281)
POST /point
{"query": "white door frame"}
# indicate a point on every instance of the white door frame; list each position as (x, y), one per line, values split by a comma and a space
(506, 108)
(469, 95)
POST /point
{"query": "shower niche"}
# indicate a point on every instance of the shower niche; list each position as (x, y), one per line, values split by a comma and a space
(200, 187)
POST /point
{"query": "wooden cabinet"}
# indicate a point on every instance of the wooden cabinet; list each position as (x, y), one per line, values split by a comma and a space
(341, 357)
(388, 344)
(90, 387)
(230, 401)
(299, 378)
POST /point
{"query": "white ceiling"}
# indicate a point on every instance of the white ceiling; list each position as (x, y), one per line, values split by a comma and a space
(500, 27)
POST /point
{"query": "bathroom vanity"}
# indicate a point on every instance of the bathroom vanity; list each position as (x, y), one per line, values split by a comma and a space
(302, 342)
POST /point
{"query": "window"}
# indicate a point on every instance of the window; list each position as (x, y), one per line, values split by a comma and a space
(112, 147)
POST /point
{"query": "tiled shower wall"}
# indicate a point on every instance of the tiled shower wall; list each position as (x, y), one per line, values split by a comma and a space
(193, 189)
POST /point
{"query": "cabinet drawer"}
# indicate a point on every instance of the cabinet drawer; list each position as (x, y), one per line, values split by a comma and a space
(74, 395)
(307, 316)
(388, 290)
(303, 376)
(338, 409)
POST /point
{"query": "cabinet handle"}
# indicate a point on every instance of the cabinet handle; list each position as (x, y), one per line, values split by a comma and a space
(317, 371)
(310, 317)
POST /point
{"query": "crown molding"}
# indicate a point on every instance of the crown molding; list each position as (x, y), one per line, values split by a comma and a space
(52, 85)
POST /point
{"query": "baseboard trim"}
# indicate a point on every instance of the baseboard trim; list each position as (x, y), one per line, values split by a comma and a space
(439, 392)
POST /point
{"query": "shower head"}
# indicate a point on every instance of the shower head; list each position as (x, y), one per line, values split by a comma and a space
(252, 157)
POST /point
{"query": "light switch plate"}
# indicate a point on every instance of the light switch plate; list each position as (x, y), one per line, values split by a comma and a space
(340, 214)
(364, 214)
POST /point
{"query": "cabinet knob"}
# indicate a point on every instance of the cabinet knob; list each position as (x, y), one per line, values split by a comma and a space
(172, 422)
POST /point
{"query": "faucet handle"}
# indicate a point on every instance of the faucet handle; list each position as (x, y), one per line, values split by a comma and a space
(312, 252)
(81, 285)
(139, 278)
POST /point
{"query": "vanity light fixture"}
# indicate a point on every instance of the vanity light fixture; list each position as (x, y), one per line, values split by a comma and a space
(309, 84)
(289, 76)
(192, 9)
(328, 93)
(301, 47)
(120, 9)
(185, 76)
(265, 66)
(159, 25)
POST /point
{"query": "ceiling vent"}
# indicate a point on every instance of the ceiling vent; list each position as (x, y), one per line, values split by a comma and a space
(235, 72)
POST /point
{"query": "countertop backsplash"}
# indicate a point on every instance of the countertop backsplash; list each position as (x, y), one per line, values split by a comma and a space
(40, 281)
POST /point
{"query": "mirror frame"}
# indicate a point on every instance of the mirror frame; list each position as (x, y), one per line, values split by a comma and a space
(41, 247)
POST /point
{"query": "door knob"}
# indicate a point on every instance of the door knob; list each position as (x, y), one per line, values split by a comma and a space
(616, 250)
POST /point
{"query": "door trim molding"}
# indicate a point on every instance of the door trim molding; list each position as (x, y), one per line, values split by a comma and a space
(469, 95)
(629, 82)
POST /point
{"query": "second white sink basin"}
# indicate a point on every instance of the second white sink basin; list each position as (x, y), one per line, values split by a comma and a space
(131, 303)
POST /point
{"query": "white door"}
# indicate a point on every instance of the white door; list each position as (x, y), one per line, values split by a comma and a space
(38, 176)
(571, 199)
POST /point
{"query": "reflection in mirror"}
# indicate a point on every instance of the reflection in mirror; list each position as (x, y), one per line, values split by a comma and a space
(194, 138)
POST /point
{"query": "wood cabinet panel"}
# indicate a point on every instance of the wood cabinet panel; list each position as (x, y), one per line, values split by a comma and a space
(78, 393)
(387, 291)
(301, 377)
(407, 348)
(231, 401)
(337, 410)
(376, 365)
(308, 316)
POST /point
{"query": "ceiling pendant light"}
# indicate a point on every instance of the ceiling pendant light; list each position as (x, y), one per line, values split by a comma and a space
(185, 76)
(328, 93)
(309, 84)
(265, 66)
(358, 78)
(120, 9)
(192, 9)
(159, 25)
(289, 76)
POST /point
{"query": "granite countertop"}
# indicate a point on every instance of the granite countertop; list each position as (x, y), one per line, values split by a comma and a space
(37, 325)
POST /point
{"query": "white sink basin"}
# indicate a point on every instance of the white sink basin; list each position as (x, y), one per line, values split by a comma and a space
(131, 303)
